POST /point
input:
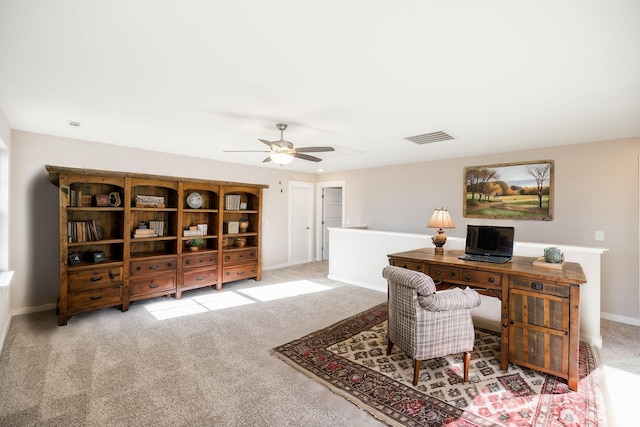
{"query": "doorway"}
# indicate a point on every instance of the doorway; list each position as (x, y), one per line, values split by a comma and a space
(330, 205)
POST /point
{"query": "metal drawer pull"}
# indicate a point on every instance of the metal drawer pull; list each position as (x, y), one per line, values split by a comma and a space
(491, 279)
(200, 278)
(200, 260)
(438, 272)
(96, 279)
(452, 274)
(404, 266)
(537, 286)
(96, 297)
(227, 258)
(153, 267)
(468, 276)
(240, 273)
(153, 285)
(187, 262)
(212, 259)
(241, 256)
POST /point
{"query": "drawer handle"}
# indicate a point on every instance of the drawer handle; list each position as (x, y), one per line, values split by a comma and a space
(468, 276)
(96, 297)
(240, 273)
(153, 267)
(138, 268)
(200, 260)
(227, 258)
(227, 273)
(537, 286)
(438, 272)
(153, 285)
(200, 278)
(491, 280)
(452, 274)
(404, 266)
(113, 275)
(212, 259)
(187, 262)
(169, 264)
(241, 256)
(96, 279)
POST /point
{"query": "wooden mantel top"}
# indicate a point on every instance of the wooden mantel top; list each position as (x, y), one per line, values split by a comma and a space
(571, 273)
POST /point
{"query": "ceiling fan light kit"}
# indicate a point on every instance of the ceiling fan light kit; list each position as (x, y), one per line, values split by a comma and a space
(281, 152)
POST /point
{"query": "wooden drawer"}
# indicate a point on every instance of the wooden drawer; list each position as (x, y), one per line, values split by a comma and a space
(250, 254)
(199, 260)
(444, 274)
(200, 277)
(410, 265)
(237, 272)
(153, 266)
(153, 284)
(539, 286)
(95, 278)
(482, 278)
(96, 298)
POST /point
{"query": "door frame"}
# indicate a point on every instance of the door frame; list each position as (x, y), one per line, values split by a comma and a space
(319, 187)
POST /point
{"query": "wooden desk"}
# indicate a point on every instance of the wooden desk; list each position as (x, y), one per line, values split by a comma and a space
(540, 317)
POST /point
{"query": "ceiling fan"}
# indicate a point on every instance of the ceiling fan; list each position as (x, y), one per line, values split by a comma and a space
(282, 152)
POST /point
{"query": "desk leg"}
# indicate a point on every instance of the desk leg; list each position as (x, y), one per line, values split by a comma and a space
(504, 323)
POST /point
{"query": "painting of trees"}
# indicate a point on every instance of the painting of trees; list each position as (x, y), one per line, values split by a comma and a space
(510, 190)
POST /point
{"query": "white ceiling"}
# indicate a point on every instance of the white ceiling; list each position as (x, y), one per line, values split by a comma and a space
(200, 77)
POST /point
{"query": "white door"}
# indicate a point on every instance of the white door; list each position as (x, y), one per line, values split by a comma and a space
(300, 222)
(331, 215)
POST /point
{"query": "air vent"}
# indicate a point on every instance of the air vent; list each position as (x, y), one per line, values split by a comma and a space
(74, 124)
(428, 138)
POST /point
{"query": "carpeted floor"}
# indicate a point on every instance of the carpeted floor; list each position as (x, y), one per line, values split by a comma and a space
(350, 358)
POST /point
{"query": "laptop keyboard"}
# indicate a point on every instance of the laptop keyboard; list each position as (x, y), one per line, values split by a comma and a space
(485, 258)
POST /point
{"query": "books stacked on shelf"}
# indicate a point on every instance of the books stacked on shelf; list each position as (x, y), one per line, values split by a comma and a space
(232, 202)
(83, 231)
(157, 226)
(193, 231)
(143, 233)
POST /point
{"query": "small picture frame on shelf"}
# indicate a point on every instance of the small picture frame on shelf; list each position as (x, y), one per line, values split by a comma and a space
(243, 206)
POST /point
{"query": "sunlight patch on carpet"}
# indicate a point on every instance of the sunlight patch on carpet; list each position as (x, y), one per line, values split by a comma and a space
(284, 290)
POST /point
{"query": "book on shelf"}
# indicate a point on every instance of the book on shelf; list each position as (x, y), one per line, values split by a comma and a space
(192, 233)
(232, 202)
(83, 231)
(157, 226)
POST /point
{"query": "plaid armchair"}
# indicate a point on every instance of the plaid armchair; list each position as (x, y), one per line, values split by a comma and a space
(426, 324)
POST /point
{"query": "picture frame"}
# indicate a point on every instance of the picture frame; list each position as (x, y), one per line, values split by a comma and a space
(519, 190)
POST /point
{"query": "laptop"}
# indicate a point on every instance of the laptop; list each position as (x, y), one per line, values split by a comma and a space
(488, 243)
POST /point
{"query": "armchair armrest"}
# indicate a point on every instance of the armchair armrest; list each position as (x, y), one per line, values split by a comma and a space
(452, 300)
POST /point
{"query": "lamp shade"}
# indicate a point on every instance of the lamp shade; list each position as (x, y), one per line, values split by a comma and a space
(441, 219)
(281, 158)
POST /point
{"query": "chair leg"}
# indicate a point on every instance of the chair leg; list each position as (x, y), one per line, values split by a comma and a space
(389, 346)
(416, 371)
(467, 362)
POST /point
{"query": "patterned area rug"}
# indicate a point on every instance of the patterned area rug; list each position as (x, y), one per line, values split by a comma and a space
(350, 358)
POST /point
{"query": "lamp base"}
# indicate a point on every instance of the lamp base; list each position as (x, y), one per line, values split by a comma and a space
(439, 250)
(439, 240)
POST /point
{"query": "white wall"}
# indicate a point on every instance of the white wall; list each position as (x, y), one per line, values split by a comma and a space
(5, 276)
(34, 206)
(596, 189)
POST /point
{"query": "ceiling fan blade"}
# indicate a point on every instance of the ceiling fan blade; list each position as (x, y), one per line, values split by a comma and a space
(246, 151)
(314, 149)
(307, 157)
(268, 159)
(264, 141)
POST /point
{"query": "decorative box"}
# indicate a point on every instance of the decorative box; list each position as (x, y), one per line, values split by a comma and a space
(232, 227)
(149, 201)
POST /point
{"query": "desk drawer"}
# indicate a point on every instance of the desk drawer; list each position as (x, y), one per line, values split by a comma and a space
(95, 278)
(200, 277)
(410, 265)
(237, 272)
(96, 298)
(482, 279)
(444, 274)
(539, 286)
(153, 266)
(199, 260)
(240, 256)
(153, 284)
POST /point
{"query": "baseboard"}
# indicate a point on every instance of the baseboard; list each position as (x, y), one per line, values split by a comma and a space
(355, 283)
(27, 310)
(621, 319)
(5, 332)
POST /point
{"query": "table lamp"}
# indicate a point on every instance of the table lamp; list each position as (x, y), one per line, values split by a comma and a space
(440, 219)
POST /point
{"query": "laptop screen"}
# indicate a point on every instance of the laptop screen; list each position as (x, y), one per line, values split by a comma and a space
(489, 240)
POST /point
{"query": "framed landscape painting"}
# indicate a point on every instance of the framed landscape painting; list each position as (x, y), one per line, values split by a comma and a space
(521, 190)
